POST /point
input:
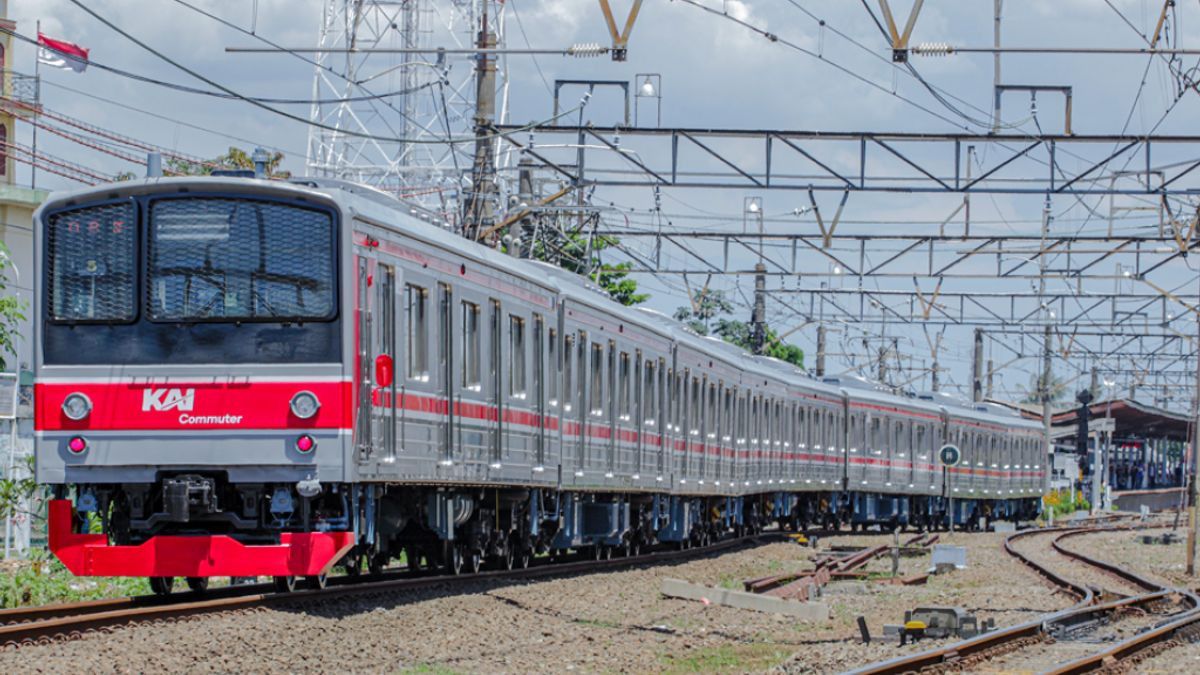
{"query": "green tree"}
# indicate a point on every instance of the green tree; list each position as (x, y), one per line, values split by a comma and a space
(1057, 389)
(12, 311)
(13, 492)
(574, 252)
(709, 305)
(236, 159)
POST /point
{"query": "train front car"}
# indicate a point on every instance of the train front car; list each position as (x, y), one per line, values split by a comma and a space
(193, 406)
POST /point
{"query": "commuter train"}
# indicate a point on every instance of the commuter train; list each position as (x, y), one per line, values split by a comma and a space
(239, 377)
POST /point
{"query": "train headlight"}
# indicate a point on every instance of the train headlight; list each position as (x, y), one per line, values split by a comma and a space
(77, 445)
(305, 404)
(77, 406)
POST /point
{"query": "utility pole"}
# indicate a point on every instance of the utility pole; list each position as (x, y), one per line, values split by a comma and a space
(821, 351)
(1046, 412)
(516, 246)
(1192, 524)
(997, 7)
(977, 379)
(753, 207)
(990, 372)
(481, 206)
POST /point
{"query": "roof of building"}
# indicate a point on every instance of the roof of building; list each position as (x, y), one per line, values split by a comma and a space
(1133, 418)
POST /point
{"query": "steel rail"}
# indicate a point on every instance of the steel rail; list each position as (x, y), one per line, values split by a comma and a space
(43, 625)
(1083, 611)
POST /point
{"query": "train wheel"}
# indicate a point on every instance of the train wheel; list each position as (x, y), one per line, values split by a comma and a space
(453, 559)
(412, 555)
(627, 548)
(316, 583)
(635, 548)
(524, 557)
(508, 557)
(475, 561)
(162, 585)
(598, 552)
(285, 584)
(197, 584)
(608, 552)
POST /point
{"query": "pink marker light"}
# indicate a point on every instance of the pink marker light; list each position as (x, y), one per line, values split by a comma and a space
(77, 445)
(306, 444)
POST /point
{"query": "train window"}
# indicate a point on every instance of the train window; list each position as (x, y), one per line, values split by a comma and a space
(580, 394)
(470, 346)
(726, 415)
(710, 418)
(624, 400)
(552, 362)
(568, 371)
(91, 263)
(597, 400)
(417, 332)
(695, 408)
(239, 259)
(516, 360)
(920, 439)
(651, 395)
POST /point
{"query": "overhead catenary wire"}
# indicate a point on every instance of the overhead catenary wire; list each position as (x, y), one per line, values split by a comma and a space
(296, 118)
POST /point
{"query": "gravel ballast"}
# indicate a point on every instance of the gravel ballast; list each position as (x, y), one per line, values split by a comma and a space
(615, 621)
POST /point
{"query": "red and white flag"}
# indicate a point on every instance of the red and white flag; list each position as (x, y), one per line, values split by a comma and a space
(61, 54)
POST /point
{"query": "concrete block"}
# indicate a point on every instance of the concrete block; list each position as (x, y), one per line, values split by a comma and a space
(808, 611)
(944, 553)
(892, 630)
(1004, 526)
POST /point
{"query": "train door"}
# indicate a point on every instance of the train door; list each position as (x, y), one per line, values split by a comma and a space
(494, 414)
(362, 431)
(446, 368)
(383, 427)
(539, 389)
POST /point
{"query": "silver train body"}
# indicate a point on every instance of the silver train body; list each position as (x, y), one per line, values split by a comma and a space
(262, 364)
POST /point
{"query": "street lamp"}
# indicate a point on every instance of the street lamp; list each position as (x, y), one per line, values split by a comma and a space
(648, 85)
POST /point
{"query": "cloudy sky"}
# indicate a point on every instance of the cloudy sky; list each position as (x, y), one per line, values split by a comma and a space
(715, 73)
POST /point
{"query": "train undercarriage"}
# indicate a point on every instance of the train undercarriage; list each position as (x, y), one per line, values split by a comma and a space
(197, 525)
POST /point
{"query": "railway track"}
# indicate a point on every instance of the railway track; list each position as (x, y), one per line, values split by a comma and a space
(1100, 631)
(46, 624)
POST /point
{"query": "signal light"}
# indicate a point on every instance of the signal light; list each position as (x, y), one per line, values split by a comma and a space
(305, 404)
(306, 444)
(77, 445)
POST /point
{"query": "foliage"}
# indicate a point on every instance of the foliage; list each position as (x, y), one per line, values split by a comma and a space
(1060, 503)
(12, 311)
(236, 159)
(581, 255)
(709, 315)
(706, 305)
(42, 580)
(17, 491)
(1057, 389)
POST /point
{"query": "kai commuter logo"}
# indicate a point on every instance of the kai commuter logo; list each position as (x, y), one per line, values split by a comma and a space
(162, 400)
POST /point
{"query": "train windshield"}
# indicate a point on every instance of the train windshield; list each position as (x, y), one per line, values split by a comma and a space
(92, 264)
(212, 259)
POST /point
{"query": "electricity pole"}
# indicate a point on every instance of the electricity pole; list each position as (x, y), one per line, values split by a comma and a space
(481, 206)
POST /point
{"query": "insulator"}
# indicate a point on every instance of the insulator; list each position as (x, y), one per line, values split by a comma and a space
(586, 50)
(933, 49)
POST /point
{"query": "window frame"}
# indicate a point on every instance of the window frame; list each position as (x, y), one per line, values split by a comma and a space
(145, 236)
(138, 272)
(518, 357)
(467, 367)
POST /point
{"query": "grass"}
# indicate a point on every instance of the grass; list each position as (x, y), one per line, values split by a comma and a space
(430, 669)
(43, 581)
(725, 659)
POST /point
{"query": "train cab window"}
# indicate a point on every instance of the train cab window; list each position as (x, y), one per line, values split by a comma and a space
(516, 360)
(416, 332)
(92, 263)
(552, 364)
(470, 346)
(215, 259)
(568, 371)
(597, 376)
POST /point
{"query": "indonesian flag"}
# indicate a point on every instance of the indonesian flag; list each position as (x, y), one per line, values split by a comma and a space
(60, 54)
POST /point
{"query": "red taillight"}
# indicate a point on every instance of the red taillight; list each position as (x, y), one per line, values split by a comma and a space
(77, 445)
(306, 444)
